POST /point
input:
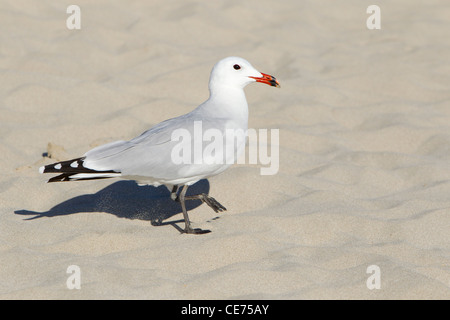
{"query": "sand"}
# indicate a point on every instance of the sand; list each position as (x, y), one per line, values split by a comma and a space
(364, 176)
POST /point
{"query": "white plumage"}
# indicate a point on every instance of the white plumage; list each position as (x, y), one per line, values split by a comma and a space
(148, 157)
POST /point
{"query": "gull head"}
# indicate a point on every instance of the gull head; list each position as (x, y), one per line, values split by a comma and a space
(237, 72)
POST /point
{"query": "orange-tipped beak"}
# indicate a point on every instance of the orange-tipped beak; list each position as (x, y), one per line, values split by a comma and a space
(267, 79)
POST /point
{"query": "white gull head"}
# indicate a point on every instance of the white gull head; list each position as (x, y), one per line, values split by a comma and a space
(236, 73)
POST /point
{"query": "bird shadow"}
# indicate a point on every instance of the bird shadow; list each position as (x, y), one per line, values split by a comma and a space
(125, 199)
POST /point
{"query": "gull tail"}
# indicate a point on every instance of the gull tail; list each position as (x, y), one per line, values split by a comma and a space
(74, 170)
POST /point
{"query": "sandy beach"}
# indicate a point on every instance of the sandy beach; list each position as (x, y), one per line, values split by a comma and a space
(364, 150)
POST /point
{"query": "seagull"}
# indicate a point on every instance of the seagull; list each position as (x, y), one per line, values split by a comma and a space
(148, 158)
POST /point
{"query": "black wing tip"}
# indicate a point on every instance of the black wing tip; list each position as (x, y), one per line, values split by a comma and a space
(61, 178)
(74, 165)
(71, 166)
(68, 177)
(69, 169)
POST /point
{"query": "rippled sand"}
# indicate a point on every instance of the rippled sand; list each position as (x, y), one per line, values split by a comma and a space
(364, 177)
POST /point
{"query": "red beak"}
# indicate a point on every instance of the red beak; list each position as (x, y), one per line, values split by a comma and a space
(267, 79)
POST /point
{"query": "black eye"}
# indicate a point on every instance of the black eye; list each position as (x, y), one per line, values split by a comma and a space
(236, 67)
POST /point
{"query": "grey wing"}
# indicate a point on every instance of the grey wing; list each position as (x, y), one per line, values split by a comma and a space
(148, 155)
(122, 155)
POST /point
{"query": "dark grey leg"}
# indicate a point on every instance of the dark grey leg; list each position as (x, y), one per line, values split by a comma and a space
(187, 224)
(210, 201)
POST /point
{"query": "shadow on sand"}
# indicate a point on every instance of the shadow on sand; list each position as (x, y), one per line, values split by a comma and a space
(125, 199)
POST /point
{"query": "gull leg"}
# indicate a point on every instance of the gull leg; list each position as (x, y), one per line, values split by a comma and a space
(210, 201)
(187, 228)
